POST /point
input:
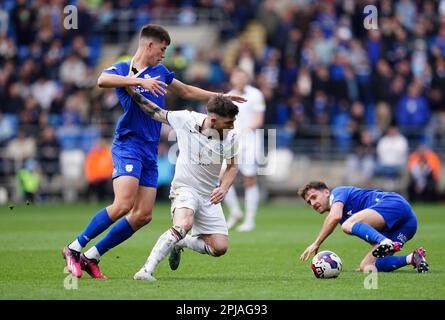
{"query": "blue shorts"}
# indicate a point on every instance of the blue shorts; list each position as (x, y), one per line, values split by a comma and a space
(135, 157)
(401, 222)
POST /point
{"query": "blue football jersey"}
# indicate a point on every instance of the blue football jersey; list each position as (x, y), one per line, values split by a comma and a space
(134, 119)
(355, 199)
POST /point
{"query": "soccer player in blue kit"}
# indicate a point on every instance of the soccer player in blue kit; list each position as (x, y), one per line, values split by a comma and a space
(383, 219)
(134, 149)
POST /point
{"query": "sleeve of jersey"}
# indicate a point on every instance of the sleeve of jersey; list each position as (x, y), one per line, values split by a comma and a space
(169, 76)
(338, 195)
(232, 148)
(177, 119)
(114, 69)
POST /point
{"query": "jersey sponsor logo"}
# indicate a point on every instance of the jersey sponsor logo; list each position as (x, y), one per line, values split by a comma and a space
(129, 167)
(147, 76)
(402, 237)
(377, 199)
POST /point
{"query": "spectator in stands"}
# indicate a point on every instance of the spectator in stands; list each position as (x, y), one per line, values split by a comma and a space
(28, 179)
(412, 113)
(6, 129)
(392, 153)
(424, 168)
(98, 170)
(48, 153)
(20, 148)
(73, 70)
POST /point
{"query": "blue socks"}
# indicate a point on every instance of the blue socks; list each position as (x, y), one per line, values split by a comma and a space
(100, 222)
(120, 232)
(390, 263)
(367, 233)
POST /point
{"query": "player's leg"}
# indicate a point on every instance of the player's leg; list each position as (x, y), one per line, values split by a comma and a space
(217, 244)
(391, 263)
(368, 225)
(209, 234)
(182, 223)
(235, 212)
(140, 215)
(125, 190)
(385, 264)
(252, 198)
(402, 234)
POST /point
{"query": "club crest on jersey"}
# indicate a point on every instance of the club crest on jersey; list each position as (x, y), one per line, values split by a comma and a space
(129, 167)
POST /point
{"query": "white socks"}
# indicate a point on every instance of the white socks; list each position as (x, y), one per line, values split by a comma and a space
(92, 253)
(196, 244)
(252, 198)
(409, 258)
(161, 249)
(75, 245)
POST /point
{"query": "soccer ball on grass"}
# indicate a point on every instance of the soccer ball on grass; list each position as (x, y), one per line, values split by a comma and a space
(326, 264)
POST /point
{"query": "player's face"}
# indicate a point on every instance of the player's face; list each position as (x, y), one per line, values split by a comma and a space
(157, 51)
(223, 124)
(318, 200)
(238, 80)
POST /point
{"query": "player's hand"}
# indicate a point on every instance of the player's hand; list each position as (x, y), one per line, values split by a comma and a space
(155, 86)
(238, 99)
(217, 195)
(313, 248)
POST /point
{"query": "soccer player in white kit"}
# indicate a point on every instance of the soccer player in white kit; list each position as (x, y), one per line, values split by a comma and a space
(204, 141)
(250, 118)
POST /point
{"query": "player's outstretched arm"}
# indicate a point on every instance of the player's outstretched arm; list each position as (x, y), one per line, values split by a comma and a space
(328, 227)
(149, 107)
(227, 179)
(194, 93)
(154, 85)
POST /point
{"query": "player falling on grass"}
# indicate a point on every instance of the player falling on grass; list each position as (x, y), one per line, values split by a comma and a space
(383, 219)
(204, 142)
(134, 150)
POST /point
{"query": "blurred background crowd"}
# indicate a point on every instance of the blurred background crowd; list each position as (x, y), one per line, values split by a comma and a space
(356, 104)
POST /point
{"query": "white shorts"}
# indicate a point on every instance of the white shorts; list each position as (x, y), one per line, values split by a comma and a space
(208, 218)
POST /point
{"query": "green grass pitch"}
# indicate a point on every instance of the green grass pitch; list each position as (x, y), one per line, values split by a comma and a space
(262, 264)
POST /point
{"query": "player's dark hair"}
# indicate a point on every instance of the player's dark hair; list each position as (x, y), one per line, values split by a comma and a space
(222, 106)
(155, 31)
(317, 185)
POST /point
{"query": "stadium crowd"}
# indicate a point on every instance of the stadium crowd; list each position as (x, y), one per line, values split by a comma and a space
(377, 94)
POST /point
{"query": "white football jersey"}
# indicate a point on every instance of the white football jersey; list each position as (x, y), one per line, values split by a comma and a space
(200, 156)
(255, 103)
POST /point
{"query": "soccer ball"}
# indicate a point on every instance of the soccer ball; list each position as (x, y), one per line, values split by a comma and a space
(326, 264)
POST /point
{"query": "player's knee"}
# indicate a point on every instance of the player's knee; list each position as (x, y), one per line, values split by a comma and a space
(185, 226)
(122, 208)
(219, 251)
(144, 219)
(346, 227)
